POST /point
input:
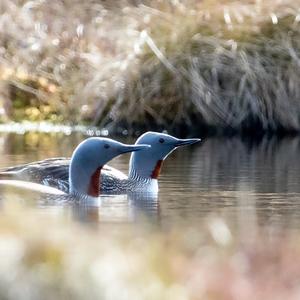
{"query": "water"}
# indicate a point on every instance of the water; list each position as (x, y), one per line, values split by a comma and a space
(250, 184)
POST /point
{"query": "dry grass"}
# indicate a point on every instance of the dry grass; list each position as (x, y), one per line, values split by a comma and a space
(70, 261)
(231, 66)
(176, 65)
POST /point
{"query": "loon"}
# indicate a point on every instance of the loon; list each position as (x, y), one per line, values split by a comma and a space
(84, 168)
(144, 167)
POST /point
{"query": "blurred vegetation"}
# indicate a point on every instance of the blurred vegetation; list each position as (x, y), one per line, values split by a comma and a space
(129, 262)
(178, 65)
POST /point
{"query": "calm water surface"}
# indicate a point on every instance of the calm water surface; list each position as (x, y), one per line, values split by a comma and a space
(251, 184)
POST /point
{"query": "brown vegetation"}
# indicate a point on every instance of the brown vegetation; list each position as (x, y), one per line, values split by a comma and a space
(182, 66)
(128, 262)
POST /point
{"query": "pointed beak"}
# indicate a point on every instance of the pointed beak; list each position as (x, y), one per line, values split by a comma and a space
(132, 148)
(183, 142)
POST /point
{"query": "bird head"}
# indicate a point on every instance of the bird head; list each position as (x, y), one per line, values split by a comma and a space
(148, 163)
(88, 159)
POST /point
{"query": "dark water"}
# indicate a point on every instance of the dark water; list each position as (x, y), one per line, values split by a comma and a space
(251, 184)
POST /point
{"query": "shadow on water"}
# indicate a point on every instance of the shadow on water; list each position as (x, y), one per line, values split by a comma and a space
(251, 184)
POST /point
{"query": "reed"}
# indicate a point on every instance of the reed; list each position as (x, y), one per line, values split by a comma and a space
(180, 66)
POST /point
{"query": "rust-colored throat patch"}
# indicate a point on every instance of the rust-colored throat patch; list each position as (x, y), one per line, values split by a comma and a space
(156, 171)
(95, 186)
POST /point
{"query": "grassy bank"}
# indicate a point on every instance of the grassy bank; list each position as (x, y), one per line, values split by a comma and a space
(181, 66)
(128, 262)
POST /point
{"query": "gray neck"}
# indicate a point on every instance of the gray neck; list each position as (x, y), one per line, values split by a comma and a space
(79, 178)
(141, 166)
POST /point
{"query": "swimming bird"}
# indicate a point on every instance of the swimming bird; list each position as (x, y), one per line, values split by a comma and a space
(85, 165)
(144, 167)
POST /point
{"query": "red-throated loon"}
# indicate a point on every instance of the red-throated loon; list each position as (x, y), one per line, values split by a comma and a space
(84, 168)
(144, 167)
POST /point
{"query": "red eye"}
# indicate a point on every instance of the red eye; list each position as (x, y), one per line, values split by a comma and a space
(106, 146)
(161, 140)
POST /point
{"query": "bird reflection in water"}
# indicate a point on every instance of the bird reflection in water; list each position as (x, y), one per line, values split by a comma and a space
(126, 208)
(133, 207)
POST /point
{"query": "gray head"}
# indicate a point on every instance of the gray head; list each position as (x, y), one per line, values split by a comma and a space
(147, 163)
(88, 159)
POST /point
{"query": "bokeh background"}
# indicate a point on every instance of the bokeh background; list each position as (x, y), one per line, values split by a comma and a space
(184, 66)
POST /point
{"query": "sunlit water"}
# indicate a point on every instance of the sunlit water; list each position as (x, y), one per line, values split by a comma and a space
(250, 184)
